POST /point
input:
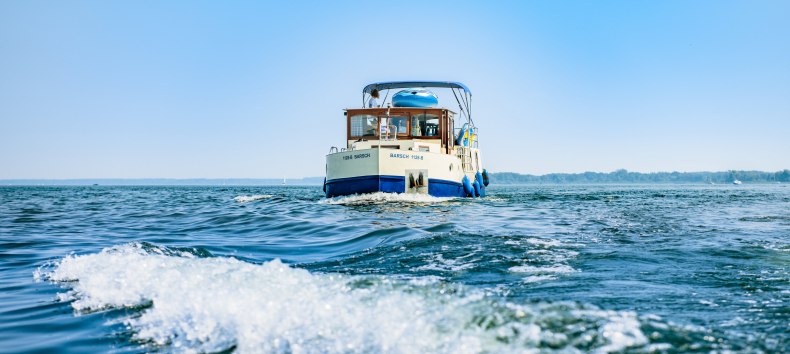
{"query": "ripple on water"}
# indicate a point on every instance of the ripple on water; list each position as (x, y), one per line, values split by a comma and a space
(527, 269)
(251, 198)
(544, 259)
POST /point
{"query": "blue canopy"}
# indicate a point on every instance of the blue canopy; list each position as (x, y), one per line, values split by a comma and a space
(413, 84)
(464, 99)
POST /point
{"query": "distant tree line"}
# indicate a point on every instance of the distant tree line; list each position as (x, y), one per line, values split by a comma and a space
(623, 176)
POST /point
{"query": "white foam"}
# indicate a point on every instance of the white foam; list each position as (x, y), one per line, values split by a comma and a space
(489, 198)
(439, 263)
(538, 278)
(546, 259)
(381, 197)
(552, 269)
(252, 198)
(544, 242)
(212, 304)
(621, 331)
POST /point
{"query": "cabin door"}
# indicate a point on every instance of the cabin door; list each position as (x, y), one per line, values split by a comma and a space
(449, 135)
(443, 130)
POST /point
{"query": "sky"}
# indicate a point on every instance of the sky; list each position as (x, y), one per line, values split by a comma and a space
(256, 89)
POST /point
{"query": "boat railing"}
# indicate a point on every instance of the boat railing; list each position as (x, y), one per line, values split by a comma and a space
(465, 155)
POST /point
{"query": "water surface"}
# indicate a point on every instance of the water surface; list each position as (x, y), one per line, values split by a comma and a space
(281, 269)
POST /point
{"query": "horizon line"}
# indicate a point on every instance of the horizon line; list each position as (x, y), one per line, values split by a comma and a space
(319, 177)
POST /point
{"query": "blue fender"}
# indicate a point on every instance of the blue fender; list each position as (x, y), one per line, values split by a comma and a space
(479, 181)
(470, 191)
(486, 178)
(324, 185)
(476, 185)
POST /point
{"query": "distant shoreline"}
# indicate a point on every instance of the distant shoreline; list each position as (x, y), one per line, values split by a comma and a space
(498, 178)
(626, 177)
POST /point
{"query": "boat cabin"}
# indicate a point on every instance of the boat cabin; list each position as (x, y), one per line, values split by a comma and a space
(402, 128)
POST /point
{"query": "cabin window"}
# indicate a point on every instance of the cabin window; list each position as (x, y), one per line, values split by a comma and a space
(423, 125)
(364, 125)
(393, 125)
(400, 124)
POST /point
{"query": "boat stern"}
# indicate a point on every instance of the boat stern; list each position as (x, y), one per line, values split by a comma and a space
(352, 172)
(392, 171)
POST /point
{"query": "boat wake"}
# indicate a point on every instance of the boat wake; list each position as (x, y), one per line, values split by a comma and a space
(187, 302)
(381, 197)
(251, 198)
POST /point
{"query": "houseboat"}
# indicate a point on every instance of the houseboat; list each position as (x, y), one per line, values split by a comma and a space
(408, 144)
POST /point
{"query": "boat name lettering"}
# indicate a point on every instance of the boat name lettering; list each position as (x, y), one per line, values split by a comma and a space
(406, 156)
(357, 156)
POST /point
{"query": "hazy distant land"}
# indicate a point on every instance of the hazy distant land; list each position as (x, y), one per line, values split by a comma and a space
(623, 176)
(619, 176)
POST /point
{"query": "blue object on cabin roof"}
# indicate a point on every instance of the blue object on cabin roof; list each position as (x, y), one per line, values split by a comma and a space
(416, 97)
(412, 84)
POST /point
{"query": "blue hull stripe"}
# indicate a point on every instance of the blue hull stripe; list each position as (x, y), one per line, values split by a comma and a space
(389, 184)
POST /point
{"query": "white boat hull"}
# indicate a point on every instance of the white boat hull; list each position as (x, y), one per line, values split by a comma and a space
(396, 171)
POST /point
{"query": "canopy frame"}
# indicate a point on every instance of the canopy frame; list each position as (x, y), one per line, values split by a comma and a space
(462, 94)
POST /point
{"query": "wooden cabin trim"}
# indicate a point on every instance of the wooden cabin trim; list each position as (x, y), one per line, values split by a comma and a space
(408, 112)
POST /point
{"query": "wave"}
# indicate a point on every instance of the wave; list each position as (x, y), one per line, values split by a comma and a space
(546, 259)
(207, 304)
(437, 262)
(553, 269)
(251, 198)
(381, 197)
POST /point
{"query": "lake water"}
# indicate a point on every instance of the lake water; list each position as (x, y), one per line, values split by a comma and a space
(632, 269)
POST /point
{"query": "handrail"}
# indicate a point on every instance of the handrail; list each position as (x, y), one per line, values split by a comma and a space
(465, 155)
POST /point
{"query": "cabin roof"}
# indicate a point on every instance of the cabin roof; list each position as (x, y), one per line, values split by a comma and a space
(400, 109)
(414, 84)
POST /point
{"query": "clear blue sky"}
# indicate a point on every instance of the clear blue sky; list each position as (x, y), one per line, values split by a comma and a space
(217, 89)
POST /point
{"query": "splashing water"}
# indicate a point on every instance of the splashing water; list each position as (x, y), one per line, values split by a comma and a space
(381, 197)
(214, 304)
